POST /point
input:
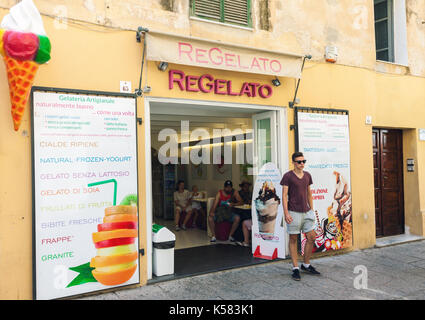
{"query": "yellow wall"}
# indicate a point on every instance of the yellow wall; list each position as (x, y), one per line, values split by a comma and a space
(411, 179)
(421, 175)
(95, 58)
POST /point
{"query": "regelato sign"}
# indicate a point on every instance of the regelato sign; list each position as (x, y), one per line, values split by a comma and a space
(207, 83)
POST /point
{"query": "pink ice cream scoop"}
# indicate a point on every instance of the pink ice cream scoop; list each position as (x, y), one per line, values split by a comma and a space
(21, 46)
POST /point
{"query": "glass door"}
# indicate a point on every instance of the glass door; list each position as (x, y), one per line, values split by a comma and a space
(265, 140)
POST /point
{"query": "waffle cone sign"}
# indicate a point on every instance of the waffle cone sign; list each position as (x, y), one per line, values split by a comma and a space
(20, 75)
(24, 46)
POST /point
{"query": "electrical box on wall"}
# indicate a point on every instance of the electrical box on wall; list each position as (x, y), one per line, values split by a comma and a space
(369, 120)
(331, 54)
(410, 165)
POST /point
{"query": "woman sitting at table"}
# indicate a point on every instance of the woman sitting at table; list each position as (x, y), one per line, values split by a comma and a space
(182, 202)
(222, 210)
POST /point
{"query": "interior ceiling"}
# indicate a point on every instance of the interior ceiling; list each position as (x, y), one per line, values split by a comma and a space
(161, 108)
(170, 115)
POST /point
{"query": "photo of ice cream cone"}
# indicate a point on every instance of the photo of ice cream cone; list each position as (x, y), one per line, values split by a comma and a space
(267, 205)
(347, 232)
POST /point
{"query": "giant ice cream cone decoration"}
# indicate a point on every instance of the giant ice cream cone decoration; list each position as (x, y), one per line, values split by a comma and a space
(23, 45)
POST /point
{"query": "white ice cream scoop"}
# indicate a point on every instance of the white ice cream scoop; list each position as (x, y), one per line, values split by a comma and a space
(24, 17)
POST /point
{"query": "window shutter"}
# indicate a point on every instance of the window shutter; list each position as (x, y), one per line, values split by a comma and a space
(208, 8)
(227, 11)
(237, 11)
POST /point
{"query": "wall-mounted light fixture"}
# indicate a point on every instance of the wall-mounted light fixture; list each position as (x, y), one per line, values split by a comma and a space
(163, 66)
(276, 82)
(292, 103)
(147, 89)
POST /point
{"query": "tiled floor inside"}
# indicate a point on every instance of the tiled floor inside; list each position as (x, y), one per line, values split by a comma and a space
(192, 237)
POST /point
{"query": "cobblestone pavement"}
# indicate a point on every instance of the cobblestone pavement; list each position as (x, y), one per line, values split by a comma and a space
(395, 272)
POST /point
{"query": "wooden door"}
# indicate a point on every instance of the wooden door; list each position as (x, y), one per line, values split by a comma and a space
(388, 181)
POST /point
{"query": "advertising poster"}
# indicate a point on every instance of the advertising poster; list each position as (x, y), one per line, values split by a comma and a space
(268, 233)
(85, 193)
(325, 142)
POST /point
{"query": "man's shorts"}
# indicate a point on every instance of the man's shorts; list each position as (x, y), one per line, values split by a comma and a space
(230, 219)
(302, 222)
(188, 208)
(196, 205)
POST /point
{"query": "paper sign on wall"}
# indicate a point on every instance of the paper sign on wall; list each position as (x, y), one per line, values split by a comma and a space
(422, 134)
(325, 142)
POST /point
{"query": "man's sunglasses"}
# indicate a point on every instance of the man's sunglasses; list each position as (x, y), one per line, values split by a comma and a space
(301, 161)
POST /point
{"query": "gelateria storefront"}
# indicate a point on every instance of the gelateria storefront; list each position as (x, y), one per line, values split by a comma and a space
(209, 112)
(99, 169)
(229, 123)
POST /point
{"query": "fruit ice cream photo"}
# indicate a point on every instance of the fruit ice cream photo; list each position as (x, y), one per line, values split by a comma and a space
(24, 45)
(267, 204)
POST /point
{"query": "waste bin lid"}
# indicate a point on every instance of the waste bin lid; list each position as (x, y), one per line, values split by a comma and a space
(156, 227)
(162, 234)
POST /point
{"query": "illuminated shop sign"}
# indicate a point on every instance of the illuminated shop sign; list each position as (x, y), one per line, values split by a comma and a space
(206, 83)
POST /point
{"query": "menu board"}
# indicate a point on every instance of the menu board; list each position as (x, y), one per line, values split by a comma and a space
(325, 142)
(84, 169)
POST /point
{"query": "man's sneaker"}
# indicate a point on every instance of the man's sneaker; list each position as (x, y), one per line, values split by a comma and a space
(310, 269)
(296, 274)
(213, 239)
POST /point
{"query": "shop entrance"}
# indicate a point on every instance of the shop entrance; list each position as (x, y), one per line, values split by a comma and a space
(254, 135)
(388, 174)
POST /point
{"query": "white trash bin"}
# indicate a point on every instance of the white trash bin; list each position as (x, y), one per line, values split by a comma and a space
(163, 243)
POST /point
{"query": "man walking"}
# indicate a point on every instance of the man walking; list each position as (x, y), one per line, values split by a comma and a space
(299, 214)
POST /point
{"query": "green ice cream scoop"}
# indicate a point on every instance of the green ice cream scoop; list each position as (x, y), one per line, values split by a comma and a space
(43, 54)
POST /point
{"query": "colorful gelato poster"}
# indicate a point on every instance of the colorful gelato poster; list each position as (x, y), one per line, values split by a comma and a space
(325, 142)
(85, 192)
(268, 234)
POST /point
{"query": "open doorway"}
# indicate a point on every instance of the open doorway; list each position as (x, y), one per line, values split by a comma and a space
(204, 144)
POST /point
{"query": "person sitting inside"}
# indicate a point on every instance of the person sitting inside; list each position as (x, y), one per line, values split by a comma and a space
(221, 210)
(196, 205)
(182, 202)
(245, 193)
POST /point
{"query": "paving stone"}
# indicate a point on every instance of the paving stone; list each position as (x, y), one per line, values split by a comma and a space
(393, 273)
